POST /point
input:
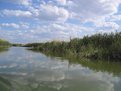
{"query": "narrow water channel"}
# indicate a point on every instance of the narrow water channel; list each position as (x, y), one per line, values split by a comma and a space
(24, 70)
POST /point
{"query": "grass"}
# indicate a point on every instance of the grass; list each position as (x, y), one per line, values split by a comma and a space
(98, 46)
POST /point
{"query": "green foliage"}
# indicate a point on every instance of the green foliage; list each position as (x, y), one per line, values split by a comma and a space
(98, 46)
(17, 45)
(4, 43)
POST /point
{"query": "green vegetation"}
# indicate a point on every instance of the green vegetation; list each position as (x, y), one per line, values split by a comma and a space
(98, 46)
(17, 45)
(95, 65)
(2, 49)
(4, 43)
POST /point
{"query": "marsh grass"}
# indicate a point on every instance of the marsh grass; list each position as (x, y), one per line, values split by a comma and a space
(98, 46)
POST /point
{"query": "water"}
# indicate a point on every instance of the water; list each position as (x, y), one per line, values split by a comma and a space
(24, 70)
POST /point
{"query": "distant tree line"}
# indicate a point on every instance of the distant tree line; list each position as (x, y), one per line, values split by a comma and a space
(98, 46)
(17, 45)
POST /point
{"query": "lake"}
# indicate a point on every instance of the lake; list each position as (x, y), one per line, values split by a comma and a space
(25, 70)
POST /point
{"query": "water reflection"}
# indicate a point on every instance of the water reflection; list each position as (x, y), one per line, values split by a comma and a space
(23, 70)
(96, 65)
(3, 49)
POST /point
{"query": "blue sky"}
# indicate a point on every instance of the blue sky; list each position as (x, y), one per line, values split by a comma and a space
(24, 21)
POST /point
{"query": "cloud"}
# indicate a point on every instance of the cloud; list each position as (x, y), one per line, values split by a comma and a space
(17, 13)
(21, 2)
(93, 9)
(45, 12)
(24, 25)
(24, 2)
(61, 2)
(48, 32)
(49, 12)
(20, 25)
(61, 18)
(107, 25)
(10, 25)
(60, 31)
(115, 17)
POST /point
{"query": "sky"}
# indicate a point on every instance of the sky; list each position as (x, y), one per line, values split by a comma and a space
(25, 21)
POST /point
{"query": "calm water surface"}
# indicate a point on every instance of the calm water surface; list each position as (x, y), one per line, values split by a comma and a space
(24, 70)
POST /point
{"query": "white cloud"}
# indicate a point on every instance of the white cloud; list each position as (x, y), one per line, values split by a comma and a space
(20, 25)
(61, 18)
(21, 2)
(24, 25)
(94, 9)
(17, 13)
(24, 2)
(61, 2)
(10, 25)
(85, 10)
(114, 17)
(42, 33)
(45, 12)
(60, 31)
(109, 25)
(52, 13)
